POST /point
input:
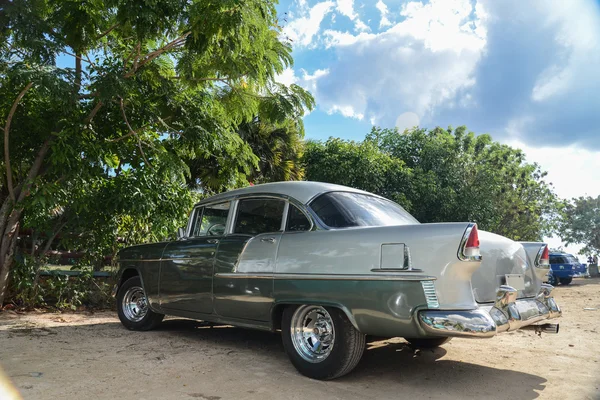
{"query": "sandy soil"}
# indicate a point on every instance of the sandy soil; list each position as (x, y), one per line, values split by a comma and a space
(91, 356)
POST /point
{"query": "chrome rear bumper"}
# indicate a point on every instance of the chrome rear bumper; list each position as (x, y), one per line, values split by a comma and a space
(507, 314)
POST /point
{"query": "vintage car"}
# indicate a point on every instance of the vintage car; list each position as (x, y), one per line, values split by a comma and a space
(328, 265)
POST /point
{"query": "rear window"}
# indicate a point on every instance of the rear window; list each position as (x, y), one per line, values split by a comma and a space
(346, 210)
(572, 260)
(557, 260)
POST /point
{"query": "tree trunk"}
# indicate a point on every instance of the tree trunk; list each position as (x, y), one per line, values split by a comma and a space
(10, 215)
(42, 258)
(7, 250)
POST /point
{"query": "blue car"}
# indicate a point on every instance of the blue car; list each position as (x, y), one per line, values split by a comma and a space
(563, 267)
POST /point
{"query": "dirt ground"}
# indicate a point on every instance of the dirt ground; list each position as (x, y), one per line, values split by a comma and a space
(91, 356)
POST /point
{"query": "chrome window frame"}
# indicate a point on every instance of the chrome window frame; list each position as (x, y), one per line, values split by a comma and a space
(306, 215)
(193, 217)
(324, 225)
(258, 197)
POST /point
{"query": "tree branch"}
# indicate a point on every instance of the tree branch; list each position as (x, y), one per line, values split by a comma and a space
(6, 140)
(154, 54)
(132, 132)
(93, 113)
(106, 32)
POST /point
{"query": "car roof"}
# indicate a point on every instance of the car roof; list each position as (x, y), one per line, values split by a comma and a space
(302, 191)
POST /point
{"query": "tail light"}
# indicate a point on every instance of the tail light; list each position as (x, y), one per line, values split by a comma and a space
(469, 250)
(544, 257)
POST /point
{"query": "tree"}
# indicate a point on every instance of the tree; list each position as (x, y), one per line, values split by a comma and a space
(360, 165)
(444, 175)
(103, 144)
(279, 148)
(580, 223)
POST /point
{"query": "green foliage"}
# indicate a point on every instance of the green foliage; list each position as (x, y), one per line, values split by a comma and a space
(444, 175)
(151, 107)
(279, 146)
(57, 291)
(358, 164)
(580, 223)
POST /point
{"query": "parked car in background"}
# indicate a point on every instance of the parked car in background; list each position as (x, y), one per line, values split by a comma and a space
(328, 265)
(564, 267)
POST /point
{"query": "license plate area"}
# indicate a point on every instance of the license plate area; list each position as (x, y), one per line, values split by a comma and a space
(515, 280)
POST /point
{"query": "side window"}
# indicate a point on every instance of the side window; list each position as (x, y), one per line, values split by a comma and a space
(211, 220)
(554, 260)
(296, 220)
(255, 216)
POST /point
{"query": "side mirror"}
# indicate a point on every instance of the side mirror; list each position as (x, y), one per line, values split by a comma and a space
(180, 233)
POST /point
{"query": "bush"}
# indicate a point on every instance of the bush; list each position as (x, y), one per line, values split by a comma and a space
(57, 290)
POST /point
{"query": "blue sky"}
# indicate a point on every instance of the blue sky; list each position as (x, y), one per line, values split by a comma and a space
(527, 72)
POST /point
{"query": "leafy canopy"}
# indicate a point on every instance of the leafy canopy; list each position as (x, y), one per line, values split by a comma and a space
(580, 223)
(155, 100)
(442, 175)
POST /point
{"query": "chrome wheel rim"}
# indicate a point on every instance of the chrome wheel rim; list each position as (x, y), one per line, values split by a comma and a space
(134, 304)
(313, 333)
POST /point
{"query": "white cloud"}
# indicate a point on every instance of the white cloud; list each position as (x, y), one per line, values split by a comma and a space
(346, 8)
(573, 171)
(360, 26)
(382, 7)
(302, 30)
(414, 66)
(307, 81)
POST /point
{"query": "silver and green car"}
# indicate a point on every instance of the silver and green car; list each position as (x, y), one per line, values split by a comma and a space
(328, 265)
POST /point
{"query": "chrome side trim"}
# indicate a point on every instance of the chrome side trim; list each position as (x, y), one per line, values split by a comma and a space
(141, 260)
(324, 277)
(286, 207)
(413, 270)
(166, 259)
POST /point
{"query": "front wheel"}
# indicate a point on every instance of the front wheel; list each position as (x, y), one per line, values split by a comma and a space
(132, 307)
(427, 343)
(320, 341)
(566, 281)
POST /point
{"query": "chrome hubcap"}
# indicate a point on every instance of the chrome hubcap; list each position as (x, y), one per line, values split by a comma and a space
(134, 304)
(313, 334)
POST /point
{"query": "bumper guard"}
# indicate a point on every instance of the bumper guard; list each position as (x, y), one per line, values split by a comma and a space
(507, 314)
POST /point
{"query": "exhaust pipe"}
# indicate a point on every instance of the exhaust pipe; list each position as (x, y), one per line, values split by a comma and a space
(545, 328)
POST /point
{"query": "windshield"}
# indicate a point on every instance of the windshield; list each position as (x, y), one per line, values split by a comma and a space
(345, 210)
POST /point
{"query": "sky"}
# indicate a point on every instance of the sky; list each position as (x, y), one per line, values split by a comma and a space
(528, 73)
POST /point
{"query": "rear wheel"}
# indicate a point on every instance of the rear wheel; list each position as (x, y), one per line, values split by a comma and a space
(132, 307)
(553, 280)
(566, 281)
(427, 343)
(320, 341)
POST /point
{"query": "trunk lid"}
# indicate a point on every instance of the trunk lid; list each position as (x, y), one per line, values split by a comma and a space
(503, 259)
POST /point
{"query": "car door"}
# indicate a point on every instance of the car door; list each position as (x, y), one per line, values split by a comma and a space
(187, 265)
(243, 283)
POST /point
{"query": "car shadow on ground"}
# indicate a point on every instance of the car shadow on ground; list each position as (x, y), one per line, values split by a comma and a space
(393, 363)
(388, 367)
(581, 281)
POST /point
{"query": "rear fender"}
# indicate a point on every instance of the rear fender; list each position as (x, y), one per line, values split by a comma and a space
(277, 310)
(534, 251)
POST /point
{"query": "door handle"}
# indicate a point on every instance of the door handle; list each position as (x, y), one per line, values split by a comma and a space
(270, 240)
(213, 241)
